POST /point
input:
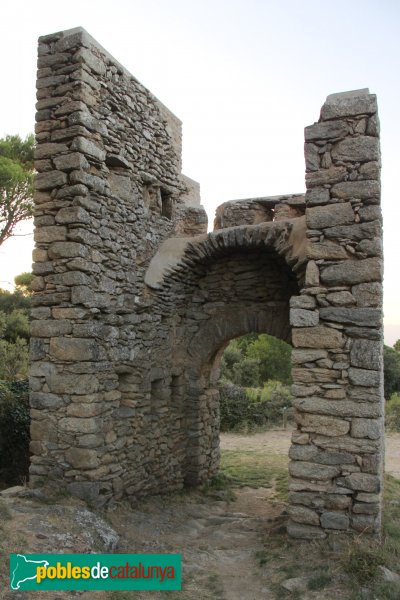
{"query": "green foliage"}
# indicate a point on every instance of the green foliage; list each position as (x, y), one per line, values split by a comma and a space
(16, 183)
(253, 359)
(14, 431)
(14, 325)
(10, 301)
(13, 359)
(248, 409)
(391, 362)
(392, 420)
(396, 346)
(274, 357)
(23, 282)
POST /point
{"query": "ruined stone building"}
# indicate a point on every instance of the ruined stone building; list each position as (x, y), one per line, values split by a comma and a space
(135, 302)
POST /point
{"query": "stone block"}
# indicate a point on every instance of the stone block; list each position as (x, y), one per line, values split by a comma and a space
(356, 149)
(72, 384)
(371, 317)
(305, 532)
(46, 401)
(50, 328)
(300, 317)
(322, 424)
(67, 250)
(335, 520)
(69, 162)
(365, 523)
(326, 131)
(337, 408)
(366, 354)
(303, 301)
(301, 514)
(360, 190)
(82, 458)
(314, 375)
(80, 425)
(50, 179)
(81, 144)
(349, 104)
(363, 482)
(300, 356)
(74, 349)
(341, 298)
(330, 176)
(368, 294)
(326, 250)
(313, 471)
(317, 337)
(367, 428)
(319, 217)
(352, 272)
(364, 377)
(346, 444)
(53, 233)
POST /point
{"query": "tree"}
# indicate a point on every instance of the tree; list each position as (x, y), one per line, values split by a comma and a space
(274, 358)
(23, 283)
(16, 183)
(396, 346)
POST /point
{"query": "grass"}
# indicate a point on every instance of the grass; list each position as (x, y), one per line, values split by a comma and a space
(254, 468)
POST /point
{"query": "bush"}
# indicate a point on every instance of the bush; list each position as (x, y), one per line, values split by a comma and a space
(251, 408)
(14, 431)
(392, 420)
(13, 360)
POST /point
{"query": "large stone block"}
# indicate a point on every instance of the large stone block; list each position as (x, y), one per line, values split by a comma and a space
(366, 354)
(358, 149)
(367, 428)
(364, 377)
(322, 424)
(363, 482)
(353, 272)
(301, 514)
(72, 384)
(303, 318)
(310, 470)
(349, 104)
(338, 408)
(317, 337)
(74, 349)
(371, 317)
(335, 520)
(319, 217)
(362, 190)
(82, 458)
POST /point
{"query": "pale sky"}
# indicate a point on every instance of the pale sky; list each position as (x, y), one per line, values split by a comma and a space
(244, 76)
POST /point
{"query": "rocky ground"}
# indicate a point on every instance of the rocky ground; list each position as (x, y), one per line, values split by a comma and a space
(232, 548)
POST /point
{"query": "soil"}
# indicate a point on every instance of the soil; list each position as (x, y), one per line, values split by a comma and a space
(229, 548)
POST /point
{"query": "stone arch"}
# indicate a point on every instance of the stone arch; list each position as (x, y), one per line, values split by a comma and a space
(228, 283)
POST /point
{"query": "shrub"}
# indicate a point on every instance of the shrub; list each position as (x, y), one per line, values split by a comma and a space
(251, 408)
(392, 420)
(13, 359)
(14, 431)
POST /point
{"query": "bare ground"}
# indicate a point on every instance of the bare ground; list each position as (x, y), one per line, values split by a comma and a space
(232, 550)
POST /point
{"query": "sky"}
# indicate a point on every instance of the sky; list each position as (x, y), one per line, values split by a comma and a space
(244, 76)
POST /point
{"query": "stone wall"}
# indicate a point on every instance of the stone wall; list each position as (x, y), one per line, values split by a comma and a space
(135, 302)
(337, 452)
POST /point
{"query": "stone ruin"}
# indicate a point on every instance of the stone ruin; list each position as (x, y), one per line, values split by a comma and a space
(135, 302)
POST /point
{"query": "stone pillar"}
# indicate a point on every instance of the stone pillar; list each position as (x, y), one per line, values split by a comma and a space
(336, 455)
